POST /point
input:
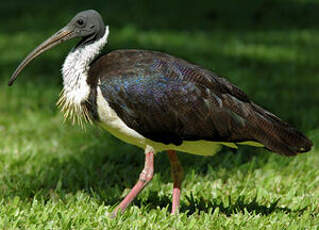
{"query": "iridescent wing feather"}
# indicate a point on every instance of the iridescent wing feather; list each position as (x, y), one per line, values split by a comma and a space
(169, 100)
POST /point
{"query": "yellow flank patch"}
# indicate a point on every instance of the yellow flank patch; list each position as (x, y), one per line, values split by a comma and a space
(251, 143)
(229, 144)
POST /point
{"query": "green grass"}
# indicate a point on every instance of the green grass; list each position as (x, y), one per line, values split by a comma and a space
(56, 176)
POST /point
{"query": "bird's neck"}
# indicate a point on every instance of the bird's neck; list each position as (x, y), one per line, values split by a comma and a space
(75, 73)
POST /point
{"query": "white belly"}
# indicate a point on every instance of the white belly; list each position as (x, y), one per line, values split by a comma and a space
(114, 124)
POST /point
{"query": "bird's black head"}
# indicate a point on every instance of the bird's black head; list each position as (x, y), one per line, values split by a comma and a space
(87, 25)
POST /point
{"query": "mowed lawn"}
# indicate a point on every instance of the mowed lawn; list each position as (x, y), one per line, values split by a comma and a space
(57, 176)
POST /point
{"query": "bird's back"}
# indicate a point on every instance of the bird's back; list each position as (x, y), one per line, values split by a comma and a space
(169, 100)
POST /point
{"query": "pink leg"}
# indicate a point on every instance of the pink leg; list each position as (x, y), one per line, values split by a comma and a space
(177, 175)
(145, 177)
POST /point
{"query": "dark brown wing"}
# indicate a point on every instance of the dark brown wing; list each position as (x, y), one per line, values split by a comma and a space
(169, 100)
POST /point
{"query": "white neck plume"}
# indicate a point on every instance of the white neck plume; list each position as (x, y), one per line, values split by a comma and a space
(75, 73)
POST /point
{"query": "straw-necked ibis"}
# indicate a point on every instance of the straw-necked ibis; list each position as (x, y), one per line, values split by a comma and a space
(159, 102)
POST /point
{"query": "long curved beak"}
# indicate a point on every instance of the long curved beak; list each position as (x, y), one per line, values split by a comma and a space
(59, 37)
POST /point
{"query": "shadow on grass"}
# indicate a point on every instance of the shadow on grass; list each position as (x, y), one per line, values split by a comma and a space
(167, 14)
(201, 204)
(105, 176)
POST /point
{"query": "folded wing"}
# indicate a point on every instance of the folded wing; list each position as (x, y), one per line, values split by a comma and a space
(169, 100)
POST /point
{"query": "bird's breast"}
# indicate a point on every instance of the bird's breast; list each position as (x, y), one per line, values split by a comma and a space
(109, 120)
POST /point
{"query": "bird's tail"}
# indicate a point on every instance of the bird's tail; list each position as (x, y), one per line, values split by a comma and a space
(277, 135)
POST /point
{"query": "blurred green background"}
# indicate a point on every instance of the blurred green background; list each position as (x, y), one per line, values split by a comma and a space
(55, 173)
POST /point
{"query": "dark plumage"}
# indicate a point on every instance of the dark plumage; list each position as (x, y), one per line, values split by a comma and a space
(169, 100)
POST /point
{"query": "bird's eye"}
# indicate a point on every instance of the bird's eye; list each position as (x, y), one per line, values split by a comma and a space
(80, 22)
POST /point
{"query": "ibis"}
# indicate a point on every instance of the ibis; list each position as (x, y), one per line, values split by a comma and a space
(159, 103)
